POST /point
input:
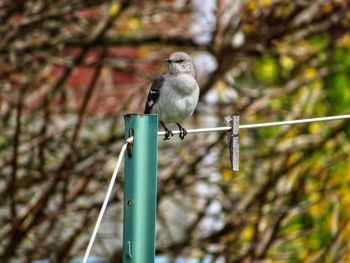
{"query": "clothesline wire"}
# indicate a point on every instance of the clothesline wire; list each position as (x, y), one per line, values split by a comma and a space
(261, 125)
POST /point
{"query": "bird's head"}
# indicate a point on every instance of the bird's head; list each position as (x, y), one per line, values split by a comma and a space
(181, 62)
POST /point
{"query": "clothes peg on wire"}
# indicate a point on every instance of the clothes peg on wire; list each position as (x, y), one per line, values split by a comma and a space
(233, 140)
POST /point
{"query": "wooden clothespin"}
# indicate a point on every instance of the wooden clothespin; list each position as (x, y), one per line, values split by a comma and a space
(233, 140)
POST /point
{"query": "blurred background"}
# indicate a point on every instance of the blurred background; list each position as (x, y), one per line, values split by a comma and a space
(70, 70)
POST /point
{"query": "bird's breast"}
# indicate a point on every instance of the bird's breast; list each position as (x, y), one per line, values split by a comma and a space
(183, 83)
(176, 105)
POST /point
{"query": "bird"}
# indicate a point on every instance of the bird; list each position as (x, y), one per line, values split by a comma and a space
(174, 93)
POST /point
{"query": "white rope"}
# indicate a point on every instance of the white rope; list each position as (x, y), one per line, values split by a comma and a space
(260, 125)
(105, 201)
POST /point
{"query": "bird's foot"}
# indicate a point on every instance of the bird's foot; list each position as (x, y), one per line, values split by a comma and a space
(168, 134)
(183, 131)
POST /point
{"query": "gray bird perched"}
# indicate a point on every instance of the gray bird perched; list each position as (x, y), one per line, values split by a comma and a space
(174, 94)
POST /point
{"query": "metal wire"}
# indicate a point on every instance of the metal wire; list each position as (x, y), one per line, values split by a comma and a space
(261, 125)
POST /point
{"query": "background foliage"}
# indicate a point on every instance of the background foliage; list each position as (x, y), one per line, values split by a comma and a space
(69, 70)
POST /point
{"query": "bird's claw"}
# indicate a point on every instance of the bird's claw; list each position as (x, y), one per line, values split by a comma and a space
(168, 134)
(182, 130)
(182, 133)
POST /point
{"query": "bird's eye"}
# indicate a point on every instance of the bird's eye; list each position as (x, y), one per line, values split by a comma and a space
(180, 61)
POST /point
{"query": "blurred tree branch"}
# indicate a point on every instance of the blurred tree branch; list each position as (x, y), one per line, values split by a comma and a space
(69, 70)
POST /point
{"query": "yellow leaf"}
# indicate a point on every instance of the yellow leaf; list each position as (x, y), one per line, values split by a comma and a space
(315, 210)
(314, 128)
(293, 158)
(133, 23)
(227, 175)
(251, 6)
(316, 85)
(327, 8)
(303, 254)
(316, 167)
(248, 232)
(220, 87)
(292, 132)
(287, 62)
(347, 256)
(115, 8)
(266, 3)
(345, 41)
(313, 243)
(345, 199)
(309, 73)
(144, 52)
(334, 180)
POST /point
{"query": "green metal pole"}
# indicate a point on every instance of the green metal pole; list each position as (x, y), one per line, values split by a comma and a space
(140, 189)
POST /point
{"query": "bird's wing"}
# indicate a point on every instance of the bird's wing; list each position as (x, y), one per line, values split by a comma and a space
(154, 92)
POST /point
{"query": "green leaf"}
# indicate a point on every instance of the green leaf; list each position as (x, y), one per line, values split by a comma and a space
(266, 69)
(338, 92)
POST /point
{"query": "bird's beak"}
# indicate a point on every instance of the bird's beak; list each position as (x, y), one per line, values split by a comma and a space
(168, 60)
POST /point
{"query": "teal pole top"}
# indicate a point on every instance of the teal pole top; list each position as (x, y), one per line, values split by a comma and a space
(140, 189)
